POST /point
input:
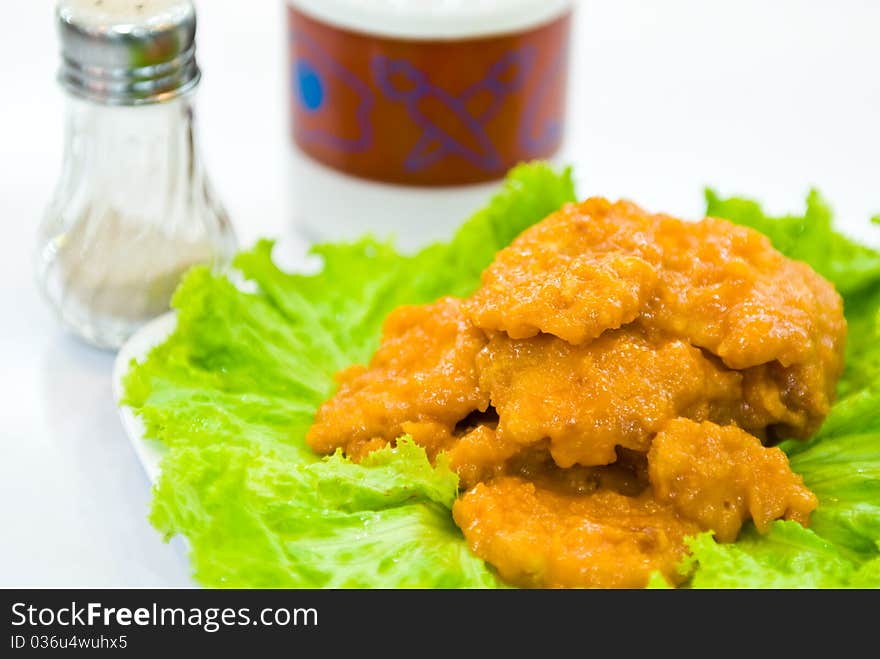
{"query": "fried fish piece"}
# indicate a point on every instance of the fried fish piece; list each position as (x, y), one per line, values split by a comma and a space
(535, 536)
(587, 268)
(725, 289)
(598, 265)
(721, 476)
(606, 391)
(615, 391)
(423, 380)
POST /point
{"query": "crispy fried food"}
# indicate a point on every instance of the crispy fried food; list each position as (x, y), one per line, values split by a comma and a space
(598, 265)
(537, 537)
(586, 268)
(597, 329)
(424, 374)
(616, 391)
(720, 476)
(725, 289)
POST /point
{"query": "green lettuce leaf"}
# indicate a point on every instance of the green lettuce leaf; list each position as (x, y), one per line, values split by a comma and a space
(234, 389)
(842, 467)
(788, 556)
(329, 523)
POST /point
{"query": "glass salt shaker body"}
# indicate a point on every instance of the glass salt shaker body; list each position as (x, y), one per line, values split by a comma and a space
(133, 208)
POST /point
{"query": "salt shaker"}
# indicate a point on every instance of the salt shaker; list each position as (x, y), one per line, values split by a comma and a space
(133, 208)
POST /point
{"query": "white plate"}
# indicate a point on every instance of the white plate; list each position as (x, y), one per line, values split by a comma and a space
(149, 451)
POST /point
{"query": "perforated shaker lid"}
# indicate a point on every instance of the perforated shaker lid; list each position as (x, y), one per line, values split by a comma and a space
(434, 19)
(127, 52)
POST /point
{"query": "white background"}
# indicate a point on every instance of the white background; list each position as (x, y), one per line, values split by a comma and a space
(764, 97)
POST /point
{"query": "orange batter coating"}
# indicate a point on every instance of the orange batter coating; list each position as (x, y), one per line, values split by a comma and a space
(586, 268)
(422, 380)
(538, 537)
(725, 289)
(720, 476)
(605, 393)
(599, 265)
(616, 391)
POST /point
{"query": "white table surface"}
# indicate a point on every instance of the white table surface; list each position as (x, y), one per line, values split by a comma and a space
(755, 96)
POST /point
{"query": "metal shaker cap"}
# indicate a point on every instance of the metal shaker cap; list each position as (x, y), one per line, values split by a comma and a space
(127, 52)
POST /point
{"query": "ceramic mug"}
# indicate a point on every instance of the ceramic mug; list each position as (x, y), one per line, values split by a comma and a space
(435, 92)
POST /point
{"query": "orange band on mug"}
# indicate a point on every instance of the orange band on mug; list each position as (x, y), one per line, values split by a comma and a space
(427, 112)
